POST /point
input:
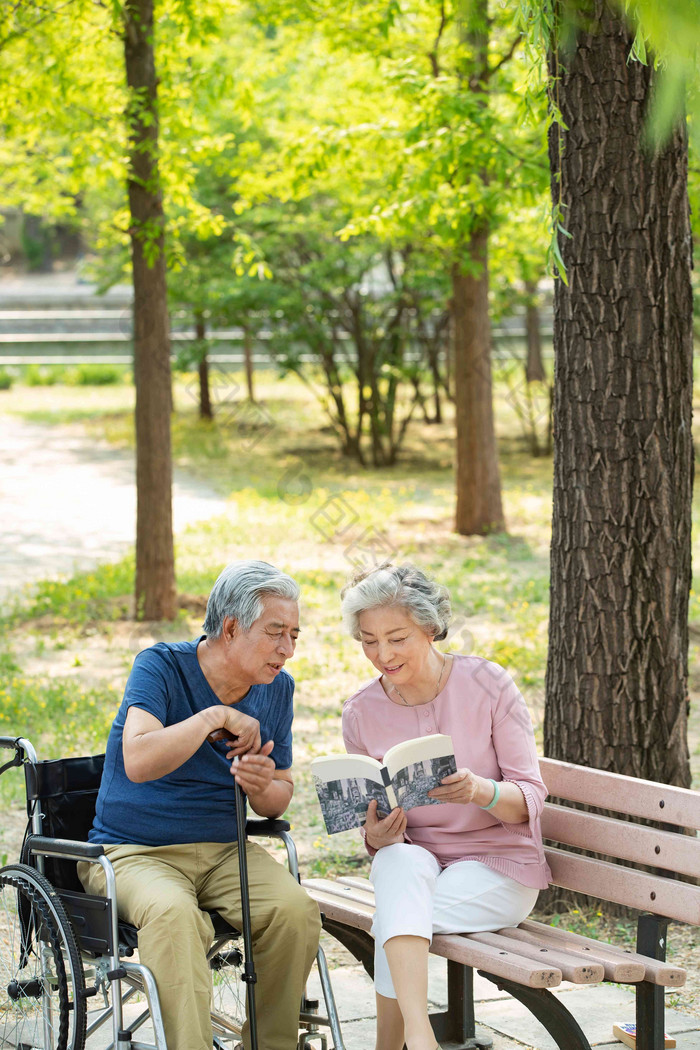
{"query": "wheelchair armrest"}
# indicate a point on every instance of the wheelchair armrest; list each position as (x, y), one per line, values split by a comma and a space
(266, 827)
(72, 849)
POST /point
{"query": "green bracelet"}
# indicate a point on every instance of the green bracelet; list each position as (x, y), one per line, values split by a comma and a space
(496, 795)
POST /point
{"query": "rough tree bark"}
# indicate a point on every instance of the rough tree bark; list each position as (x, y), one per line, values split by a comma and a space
(616, 690)
(479, 504)
(534, 367)
(155, 562)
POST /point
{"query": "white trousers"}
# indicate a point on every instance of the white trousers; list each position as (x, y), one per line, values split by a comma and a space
(414, 896)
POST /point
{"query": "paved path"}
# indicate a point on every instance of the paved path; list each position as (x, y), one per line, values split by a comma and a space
(68, 502)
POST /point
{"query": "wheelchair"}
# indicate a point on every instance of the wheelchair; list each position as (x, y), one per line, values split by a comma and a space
(69, 967)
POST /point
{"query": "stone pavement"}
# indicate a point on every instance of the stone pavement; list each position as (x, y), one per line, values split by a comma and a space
(69, 502)
(498, 1016)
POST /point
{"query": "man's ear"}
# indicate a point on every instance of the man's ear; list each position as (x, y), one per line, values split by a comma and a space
(230, 628)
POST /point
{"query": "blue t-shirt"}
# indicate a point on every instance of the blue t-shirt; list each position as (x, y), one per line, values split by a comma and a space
(194, 803)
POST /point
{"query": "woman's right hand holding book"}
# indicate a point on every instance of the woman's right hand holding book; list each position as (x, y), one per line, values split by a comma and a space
(384, 831)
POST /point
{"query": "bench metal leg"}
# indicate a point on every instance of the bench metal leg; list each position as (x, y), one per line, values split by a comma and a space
(651, 941)
(549, 1011)
(455, 1027)
(357, 942)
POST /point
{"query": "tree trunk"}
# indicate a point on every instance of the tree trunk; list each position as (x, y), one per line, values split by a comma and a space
(616, 691)
(200, 332)
(434, 366)
(248, 354)
(534, 368)
(479, 507)
(155, 562)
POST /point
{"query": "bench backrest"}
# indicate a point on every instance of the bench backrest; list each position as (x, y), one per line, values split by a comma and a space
(676, 851)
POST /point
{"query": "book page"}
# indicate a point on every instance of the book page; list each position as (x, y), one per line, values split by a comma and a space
(345, 784)
(417, 766)
(418, 749)
(337, 767)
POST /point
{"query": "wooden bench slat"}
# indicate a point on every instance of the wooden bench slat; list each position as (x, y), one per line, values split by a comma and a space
(502, 962)
(357, 881)
(358, 895)
(618, 838)
(586, 972)
(635, 889)
(620, 965)
(637, 798)
(615, 968)
(655, 972)
(357, 916)
(497, 961)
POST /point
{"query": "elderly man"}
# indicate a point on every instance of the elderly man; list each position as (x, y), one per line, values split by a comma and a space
(166, 815)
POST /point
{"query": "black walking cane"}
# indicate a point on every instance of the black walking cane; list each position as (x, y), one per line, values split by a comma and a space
(248, 966)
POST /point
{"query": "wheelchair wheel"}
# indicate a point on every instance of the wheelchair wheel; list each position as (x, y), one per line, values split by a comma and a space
(42, 986)
(228, 993)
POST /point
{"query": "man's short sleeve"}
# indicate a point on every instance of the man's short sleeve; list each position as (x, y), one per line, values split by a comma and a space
(147, 685)
(282, 751)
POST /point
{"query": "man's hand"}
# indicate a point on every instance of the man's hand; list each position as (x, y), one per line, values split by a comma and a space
(242, 730)
(386, 831)
(254, 772)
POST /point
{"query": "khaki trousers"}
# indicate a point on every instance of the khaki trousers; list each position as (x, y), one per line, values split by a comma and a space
(162, 890)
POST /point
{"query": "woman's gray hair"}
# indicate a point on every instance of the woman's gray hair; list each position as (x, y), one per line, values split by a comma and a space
(426, 602)
(239, 592)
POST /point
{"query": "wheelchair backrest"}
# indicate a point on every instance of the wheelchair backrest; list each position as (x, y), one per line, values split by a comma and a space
(65, 790)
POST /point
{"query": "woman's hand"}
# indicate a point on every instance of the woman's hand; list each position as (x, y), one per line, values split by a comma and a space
(242, 730)
(384, 832)
(463, 787)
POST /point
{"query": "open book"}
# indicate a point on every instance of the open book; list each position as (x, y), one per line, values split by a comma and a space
(345, 784)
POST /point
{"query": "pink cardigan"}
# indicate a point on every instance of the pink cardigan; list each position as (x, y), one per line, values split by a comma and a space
(482, 710)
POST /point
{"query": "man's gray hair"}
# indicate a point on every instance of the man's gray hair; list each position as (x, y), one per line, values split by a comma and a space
(239, 592)
(426, 602)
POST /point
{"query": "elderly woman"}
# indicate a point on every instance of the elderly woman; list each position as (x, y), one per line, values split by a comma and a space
(166, 810)
(475, 862)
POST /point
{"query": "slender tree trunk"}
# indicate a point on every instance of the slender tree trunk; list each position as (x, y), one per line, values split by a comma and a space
(155, 561)
(616, 692)
(534, 368)
(479, 506)
(434, 365)
(200, 331)
(248, 354)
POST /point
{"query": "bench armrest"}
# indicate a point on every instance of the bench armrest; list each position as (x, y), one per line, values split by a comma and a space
(70, 848)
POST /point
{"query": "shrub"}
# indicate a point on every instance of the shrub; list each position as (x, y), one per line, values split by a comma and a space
(95, 375)
(40, 375)
(5, 379)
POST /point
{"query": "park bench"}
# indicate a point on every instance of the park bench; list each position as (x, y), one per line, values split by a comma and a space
(652, 869)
